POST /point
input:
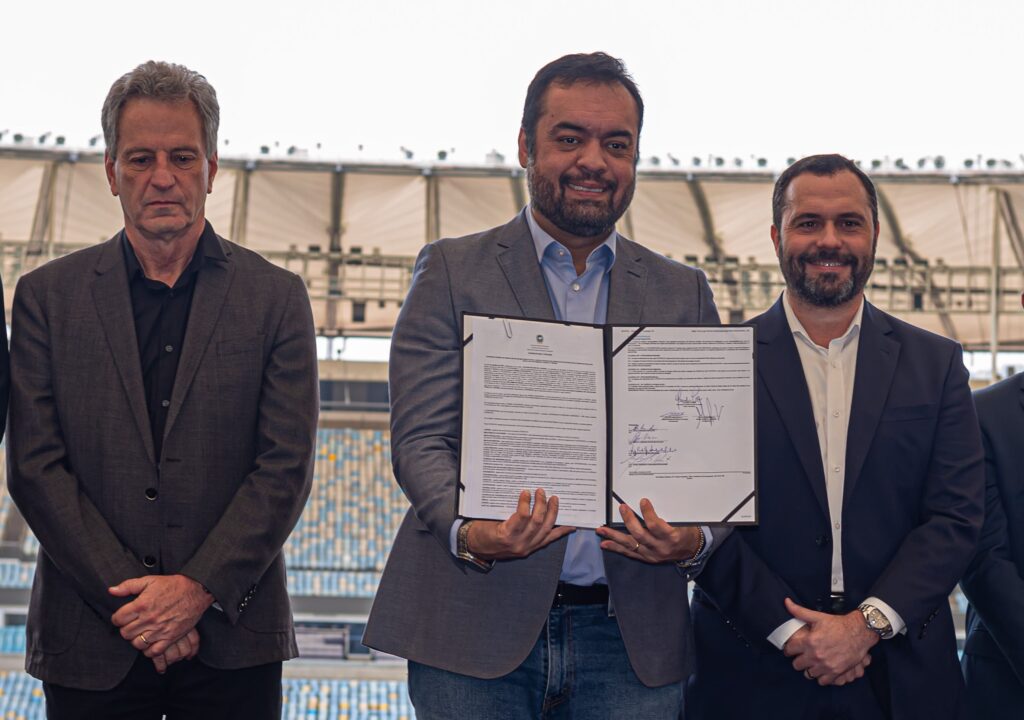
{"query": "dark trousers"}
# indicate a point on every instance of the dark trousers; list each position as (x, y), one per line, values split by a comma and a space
(189, 690)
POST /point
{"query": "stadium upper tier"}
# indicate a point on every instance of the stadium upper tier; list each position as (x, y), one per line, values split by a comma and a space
(353, 230)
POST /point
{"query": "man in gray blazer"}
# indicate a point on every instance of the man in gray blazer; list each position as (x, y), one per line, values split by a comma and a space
(163, 418)
(514, 618)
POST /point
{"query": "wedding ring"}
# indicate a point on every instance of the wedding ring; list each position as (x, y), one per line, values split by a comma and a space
(143, 638)
(637, 548)
(807, 674)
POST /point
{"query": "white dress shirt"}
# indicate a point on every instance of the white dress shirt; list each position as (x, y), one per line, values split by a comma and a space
(830, 373)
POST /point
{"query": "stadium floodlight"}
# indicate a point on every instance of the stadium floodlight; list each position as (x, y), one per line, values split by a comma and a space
(762, 162)
(738, 162)
(695, 161)
(59, 139)
(719, 161)
(442, 155)
(264, 149)
(673, 159)
(407, 152)
(42, 138)
(968, 163)
(876, 163)
(900, 164)
(940, 162)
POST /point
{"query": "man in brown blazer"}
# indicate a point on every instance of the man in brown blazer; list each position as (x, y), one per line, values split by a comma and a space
(163, 418)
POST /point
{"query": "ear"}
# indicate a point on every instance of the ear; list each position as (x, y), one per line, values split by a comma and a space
(524, 155)
(108, 166)
(776, 239)
(211, 169)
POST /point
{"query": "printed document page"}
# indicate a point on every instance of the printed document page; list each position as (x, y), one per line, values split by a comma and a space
(682, 425)
(533, 417)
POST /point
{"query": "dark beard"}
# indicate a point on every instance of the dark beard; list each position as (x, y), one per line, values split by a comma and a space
(826, 290)
(581, 218)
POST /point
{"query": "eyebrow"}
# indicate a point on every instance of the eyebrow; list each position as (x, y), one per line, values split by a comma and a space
(818, 216)
(140, 149)
(573, 127)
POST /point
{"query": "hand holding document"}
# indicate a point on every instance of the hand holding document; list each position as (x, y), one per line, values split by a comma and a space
(602, 415)
(522, 533)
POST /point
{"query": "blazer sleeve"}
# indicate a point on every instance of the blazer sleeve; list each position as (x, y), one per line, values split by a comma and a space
(992, 582)
(269, 501)
(425, 382)
(932, 557)
(74, 535)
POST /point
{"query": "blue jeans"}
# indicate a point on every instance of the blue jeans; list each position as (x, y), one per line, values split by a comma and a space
(577, 670)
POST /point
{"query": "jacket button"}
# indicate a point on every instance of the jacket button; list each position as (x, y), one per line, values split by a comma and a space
(149, 561)
(151, 493)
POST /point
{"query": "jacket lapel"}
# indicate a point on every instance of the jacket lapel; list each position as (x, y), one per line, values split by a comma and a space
(517, 257)
(780, 369)
(626, 285)
(114, 307)
(877, 355)
(212, 285)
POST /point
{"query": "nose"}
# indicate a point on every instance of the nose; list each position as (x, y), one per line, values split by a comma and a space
(162, 176)
(592, 157)
(829, 236)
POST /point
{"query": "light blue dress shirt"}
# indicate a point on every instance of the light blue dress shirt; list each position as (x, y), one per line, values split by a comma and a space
(583, 299)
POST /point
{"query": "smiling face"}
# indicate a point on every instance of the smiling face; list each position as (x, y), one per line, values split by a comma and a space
(159, 169)
(582, 172)
(826, 246)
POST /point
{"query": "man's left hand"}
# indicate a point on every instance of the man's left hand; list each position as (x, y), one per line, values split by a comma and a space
(657, 543)
(834, 645)
(166, 607)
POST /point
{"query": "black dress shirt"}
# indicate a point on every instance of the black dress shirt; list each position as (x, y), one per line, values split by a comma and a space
(161, 316)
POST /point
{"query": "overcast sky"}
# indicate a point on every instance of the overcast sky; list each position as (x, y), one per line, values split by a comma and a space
(737, 79)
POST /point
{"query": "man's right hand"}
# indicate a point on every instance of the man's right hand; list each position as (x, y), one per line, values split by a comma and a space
(523, 533)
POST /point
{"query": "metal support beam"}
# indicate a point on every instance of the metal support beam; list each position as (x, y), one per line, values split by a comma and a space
(701, 201)
(334, 266)
(1012, 225)
(43, 216)
(904, 245)
(993, 340)
(433, 229)
(240, 206)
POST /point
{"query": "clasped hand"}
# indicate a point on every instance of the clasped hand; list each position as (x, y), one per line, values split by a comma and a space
(161, 620)
(829, 649)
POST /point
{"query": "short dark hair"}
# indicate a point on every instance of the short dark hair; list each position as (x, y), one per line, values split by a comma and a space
(595, 68)
(819, 165)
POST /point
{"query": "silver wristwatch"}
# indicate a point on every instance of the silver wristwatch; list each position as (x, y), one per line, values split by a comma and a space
(876, 621)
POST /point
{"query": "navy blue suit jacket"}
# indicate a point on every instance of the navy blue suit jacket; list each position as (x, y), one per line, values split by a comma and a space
(912, 512)
(994, 582)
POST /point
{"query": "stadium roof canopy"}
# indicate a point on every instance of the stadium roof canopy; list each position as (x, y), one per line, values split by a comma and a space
(353, 229)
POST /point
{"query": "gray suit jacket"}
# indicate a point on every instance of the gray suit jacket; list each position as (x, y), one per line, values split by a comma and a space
(235, 470)
(432, 607)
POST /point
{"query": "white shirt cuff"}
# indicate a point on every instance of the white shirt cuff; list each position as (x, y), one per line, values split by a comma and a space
(898, 626)
(784, 632)
(453, 537)
(709, 540)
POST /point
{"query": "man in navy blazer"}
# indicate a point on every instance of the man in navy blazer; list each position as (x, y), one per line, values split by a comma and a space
(993, 661)
(870, 491)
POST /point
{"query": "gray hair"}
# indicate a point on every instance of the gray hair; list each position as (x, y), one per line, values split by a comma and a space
(167, 82)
